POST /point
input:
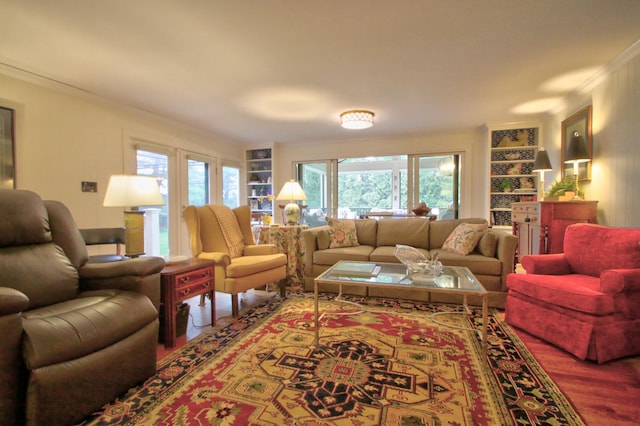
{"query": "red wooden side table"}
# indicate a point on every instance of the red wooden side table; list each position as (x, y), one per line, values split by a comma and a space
(181, 281)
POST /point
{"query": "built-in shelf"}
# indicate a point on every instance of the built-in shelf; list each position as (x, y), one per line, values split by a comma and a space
(512, 154)
(259, 182)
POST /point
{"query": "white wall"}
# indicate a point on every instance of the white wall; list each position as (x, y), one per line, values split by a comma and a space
(615, 180)
(471, 143)
(63, 138)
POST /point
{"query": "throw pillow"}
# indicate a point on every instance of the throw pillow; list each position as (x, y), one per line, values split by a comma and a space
(342, 233)
(464, 238)
(487, 244)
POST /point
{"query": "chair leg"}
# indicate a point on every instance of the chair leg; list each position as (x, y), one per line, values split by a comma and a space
(202, 300)
(234, 305)
(283, 288)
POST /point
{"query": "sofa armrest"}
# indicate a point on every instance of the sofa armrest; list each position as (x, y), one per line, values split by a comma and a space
(546, 264)
(620, 281)
(141, 274)
(505, 253)
(260, 249)
(310, 244)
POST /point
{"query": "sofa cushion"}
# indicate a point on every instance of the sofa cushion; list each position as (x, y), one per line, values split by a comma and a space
(477, 263)
(84, 325)
(388, 254)
(464, 238)
(248, 265)
(366, 230)
(487, 244)
(412, 232)
(342, 233)
(575, 292)
(331, 256)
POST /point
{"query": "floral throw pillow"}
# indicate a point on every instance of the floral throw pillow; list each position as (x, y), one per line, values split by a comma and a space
(464, 238)
(342, 233)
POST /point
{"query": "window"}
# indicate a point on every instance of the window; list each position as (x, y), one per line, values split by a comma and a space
(392, 184)
(230, 186)
(157, 218)
(198, 177)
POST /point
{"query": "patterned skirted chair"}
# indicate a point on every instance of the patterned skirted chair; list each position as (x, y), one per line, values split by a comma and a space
(585, 300)
(223, 235)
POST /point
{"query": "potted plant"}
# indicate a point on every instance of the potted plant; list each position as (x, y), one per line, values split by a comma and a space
(505, 185)
(559, 188)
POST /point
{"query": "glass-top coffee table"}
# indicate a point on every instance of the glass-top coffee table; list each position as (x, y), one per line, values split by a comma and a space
(453, 280)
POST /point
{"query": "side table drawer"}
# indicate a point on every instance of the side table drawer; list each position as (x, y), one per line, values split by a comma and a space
(193, 282)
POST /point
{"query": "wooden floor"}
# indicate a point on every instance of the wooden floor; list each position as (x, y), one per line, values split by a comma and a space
(607, 394)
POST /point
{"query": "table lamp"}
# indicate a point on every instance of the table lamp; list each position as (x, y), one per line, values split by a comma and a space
(576, 153)
(541, 164)
(133, 191)
(292, 192)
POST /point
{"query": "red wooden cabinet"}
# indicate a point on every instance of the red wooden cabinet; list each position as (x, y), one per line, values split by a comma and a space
(540, 225)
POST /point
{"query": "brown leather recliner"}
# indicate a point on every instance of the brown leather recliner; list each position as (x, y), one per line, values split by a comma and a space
(74, 335)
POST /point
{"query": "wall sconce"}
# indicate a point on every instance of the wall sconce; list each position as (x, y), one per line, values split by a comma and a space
(541, 164)
(292, 192)
(576, 153)
(133, 191)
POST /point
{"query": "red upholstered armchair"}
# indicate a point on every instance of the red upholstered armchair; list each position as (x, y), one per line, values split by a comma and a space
(585, 300)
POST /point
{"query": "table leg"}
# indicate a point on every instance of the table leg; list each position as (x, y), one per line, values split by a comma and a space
(212, 296)
(315, 319)
(485, 321)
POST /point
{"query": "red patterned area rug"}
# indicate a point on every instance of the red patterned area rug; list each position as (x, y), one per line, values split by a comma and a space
(390, 365)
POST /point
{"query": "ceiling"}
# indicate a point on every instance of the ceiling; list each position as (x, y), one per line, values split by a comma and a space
(263, 71)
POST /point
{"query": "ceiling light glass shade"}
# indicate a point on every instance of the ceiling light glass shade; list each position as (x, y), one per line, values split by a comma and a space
(132, 191)
(446, 166)
(577, 150)
(542, 163)
(356, 119)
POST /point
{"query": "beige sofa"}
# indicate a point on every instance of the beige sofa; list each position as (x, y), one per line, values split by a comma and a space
(377, 240)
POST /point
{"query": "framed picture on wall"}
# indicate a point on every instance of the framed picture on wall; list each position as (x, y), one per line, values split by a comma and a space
(7, 148)
(579, 122)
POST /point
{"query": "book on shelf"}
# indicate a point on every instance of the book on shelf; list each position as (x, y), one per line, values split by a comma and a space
(357, 269)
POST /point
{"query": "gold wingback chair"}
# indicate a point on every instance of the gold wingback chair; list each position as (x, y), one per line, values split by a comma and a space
(224, 235)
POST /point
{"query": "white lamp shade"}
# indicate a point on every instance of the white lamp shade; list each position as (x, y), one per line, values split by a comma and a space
(291, 191)
(132, 191)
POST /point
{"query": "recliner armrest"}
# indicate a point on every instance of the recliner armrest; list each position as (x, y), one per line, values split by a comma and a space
(12, 301)
(141, 274)
(546, 264)
(620, 281)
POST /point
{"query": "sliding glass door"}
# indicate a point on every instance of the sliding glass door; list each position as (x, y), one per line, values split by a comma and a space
(393, 185)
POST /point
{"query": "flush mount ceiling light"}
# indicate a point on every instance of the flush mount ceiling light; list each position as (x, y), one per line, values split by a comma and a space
(356, 119)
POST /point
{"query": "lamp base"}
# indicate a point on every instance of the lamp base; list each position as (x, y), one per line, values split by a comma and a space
(134, 233)
(291, 213)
